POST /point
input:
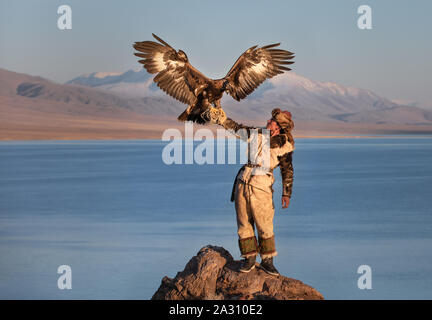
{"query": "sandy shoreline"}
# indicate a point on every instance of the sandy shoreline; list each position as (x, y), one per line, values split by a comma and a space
(27, 124)
(389, 136)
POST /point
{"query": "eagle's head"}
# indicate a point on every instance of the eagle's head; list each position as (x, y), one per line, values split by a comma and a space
(182, 55)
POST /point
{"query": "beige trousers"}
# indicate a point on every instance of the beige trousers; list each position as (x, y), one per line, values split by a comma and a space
(254, 208)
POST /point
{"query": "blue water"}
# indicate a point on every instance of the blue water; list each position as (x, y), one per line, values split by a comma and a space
(122, 219)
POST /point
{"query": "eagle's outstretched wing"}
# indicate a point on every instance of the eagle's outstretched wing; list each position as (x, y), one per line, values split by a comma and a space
(254, 66)
(175, 75)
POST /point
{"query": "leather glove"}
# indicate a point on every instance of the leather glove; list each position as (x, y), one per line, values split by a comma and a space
(215, 115)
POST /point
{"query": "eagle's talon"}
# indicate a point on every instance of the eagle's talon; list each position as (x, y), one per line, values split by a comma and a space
(206, 116)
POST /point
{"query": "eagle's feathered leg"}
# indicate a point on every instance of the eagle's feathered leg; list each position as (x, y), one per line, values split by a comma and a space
(196, 113)
(217, 104)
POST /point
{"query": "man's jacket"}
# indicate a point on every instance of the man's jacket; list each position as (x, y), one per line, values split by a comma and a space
(280, 155)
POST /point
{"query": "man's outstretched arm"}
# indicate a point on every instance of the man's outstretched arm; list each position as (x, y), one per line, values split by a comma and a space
(241, 131)
(235, 127)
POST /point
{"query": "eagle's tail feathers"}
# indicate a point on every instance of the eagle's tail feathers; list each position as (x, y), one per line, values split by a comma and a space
(185, 115)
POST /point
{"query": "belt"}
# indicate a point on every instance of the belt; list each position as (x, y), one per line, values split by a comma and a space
(250, 165)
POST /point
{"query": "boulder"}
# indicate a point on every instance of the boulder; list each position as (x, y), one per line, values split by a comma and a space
(213, 275)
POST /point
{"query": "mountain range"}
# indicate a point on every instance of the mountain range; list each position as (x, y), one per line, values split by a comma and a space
(129, 105)
(307, 99)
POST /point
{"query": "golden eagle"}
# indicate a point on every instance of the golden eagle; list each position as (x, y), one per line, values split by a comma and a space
(178, 78)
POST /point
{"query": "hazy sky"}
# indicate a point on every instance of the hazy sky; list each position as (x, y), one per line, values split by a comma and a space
(392, 59)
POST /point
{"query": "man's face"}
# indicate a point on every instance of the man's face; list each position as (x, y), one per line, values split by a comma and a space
(273, 127)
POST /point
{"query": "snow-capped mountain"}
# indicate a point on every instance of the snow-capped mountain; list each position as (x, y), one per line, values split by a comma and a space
(313, 100)
(97, 79)
(130, 83)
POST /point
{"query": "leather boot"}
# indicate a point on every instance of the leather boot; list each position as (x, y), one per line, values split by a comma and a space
(248, 264)
(267, 266)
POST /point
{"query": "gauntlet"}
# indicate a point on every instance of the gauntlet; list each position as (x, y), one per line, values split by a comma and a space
(214, 115)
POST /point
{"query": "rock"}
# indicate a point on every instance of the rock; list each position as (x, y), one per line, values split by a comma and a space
(213, 275)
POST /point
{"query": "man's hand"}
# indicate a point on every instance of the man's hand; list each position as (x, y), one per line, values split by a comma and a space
(285, 202)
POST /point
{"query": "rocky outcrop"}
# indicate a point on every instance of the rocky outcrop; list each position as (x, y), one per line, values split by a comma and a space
(213, 275)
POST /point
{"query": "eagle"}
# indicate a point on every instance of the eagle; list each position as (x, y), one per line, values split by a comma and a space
(179, 79)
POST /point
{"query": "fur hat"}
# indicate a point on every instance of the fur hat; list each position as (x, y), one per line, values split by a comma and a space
(283, 118)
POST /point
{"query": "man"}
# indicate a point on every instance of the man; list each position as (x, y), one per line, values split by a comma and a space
(253, 192)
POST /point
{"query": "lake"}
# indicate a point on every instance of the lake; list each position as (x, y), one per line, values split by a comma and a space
(122, 219)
